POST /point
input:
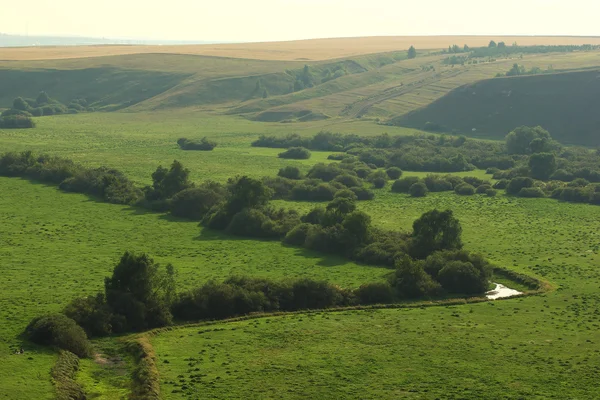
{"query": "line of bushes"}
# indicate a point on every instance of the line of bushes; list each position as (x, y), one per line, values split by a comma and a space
(464, 186)
(44, 105)
(63, 374)
(146, 382)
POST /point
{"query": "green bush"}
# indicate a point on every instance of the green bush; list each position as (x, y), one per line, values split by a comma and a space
(483, 189)
(394, 173)
(464, 189)
(418, 189)
(516, 184)
(60, 331)
(491, 192)
(194, 203)
(403, 185)
(290, 172)
(296, 153)
(204, 144)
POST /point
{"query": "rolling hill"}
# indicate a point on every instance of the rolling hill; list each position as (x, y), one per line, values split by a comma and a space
(566, 104)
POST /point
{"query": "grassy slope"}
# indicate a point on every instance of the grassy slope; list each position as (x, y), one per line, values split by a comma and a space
(138, 142)
(540, 347)
(564, 103)
(63, 245)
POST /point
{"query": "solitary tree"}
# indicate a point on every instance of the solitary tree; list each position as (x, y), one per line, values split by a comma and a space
(412, 52)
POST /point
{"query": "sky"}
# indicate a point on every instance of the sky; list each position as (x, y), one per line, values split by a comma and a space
(274, 20)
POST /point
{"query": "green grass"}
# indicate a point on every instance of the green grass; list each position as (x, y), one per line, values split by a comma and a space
(56, 246)
(544, 346)
(136, 143)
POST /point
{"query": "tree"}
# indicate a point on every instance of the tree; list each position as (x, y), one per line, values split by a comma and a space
(435, 230)
(542, 165)
(140, 292)
(42, 99)
(168, 182)
(466, 48)
(410, 279)
(412, 52)
(492, 44)
(357, 226)
(194, 203)
(519, 140)
(501, 45)
(246, 193)
(20, 104)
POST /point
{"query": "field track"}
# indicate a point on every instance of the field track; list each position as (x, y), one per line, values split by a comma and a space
(300, 50)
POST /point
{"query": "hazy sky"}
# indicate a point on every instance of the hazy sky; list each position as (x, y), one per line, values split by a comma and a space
(258, 20)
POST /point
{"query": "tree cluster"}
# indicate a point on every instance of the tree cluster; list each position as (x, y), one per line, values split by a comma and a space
(44, 105)
(203, 144)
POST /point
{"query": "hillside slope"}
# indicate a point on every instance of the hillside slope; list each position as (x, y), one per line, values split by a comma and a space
(566, 104)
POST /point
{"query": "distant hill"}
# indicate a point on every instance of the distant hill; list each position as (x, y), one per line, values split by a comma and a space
(566, 104)
(25, 41)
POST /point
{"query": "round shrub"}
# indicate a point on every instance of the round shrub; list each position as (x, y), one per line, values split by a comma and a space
(464, 189)
(60, 331)
(531, 192)
(348, 180)
(298, 235)
(403, 185)
(418, 189)
(461, 277)
(248, 222)
(436, 183)
(362, 172)
(492, 170)
(501, 184)
(194, 203)
(483, 188)
(362, 193)
(345, 194)
(562, 175)
(296, 153)
(491, 192)
(394, 172)
(290, 172)
(375, 293)
(378, 183)
(518, 183)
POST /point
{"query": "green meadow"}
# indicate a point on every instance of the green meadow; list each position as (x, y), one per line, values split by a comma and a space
(55, 246)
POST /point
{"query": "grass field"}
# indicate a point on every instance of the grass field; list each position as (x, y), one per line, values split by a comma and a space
(61, 246)
(55, 246)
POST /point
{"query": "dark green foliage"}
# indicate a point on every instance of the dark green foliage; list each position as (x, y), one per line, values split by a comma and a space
(348, 180)
(60, 331)
(378, 183)
(309, 191)
(437, 183)
(249, 222)
(501, 184)
(483, 189)
(520, 140)
(325, 172)
(418, 189)
(195, 203)
(516, 184)
(204, 144)
(531, 192)
(464, 189)
(411, 281)
(394, 173)
(375, 293)
(412, 53)
(16, 122)
(403, 185)
(562, 175)
(346, 194)
(139, 293)
(296, 153)
(168, 182)
(363, 193)
(241, 295)
(542, 165)
(435, 230)
(92, 314)
(290, 172)
(490, 192)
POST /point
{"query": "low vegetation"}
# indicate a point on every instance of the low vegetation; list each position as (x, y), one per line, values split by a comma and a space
(203, 144)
